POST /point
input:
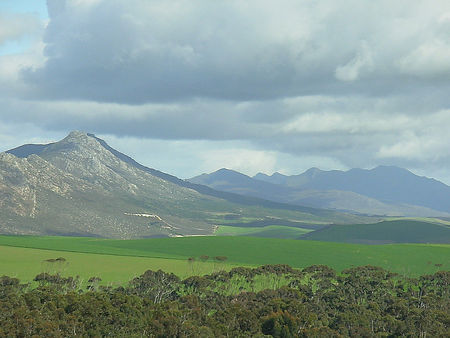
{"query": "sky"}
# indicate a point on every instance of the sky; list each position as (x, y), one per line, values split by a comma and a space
(188, 87)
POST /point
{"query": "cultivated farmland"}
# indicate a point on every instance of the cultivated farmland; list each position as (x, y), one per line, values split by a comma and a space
(120, 260)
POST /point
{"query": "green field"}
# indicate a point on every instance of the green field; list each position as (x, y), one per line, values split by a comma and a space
(120, 260)
(273, 231)
(394, 231)
(25, 264)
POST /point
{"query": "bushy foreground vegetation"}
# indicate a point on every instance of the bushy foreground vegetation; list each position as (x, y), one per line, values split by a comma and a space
(273, 300)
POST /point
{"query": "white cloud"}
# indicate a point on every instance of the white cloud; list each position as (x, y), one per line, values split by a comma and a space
(409, 147)
(431, 59)
(362, 61)
(15, 26)
(363, 122)
(427, 141)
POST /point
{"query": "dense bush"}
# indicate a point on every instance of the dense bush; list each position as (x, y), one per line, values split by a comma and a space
(313, 302)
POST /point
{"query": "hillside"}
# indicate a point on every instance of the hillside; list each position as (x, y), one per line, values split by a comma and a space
(81, 186)
(300, 190)
(396, 231)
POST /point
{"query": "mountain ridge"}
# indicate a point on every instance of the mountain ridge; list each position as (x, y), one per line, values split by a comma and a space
(80, 185)
(336, 190)
(384, 183)
(203, 189)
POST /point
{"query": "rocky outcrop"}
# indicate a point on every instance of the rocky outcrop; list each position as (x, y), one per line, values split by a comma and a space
(76, 186)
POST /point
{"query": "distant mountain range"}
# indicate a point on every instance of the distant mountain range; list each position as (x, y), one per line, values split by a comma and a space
(384, 190)
(81, 186)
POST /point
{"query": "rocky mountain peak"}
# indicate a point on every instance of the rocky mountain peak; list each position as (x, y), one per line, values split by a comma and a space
(77, 146)
(77, 136)
(81, 154)
(74, 134)
(76, 139)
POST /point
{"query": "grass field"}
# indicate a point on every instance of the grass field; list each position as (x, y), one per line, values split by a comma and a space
(120, 260)
(25, 264)
(273, 231)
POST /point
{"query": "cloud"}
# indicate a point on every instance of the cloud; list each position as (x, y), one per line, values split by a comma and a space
(364, 122)
(247, 84)
(11, 85)
(351, 71)
(344, 129)
(426, 141)
(16, 26)
(155, 51)
(431, 59)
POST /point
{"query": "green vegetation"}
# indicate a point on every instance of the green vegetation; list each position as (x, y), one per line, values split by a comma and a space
(171, 254)
(272, 300)
(395, 231)
(205, 286)
(273, 231)
(26, 263)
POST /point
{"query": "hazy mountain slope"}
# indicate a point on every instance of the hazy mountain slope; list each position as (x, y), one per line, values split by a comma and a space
(232, 181)
(235, 182)
(353, 202)
(384, 183)
(80, 185)
(399, 231)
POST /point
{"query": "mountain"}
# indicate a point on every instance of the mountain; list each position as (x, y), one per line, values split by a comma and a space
(387, 184)
(235, 182)
(81, 186)
(332, 190)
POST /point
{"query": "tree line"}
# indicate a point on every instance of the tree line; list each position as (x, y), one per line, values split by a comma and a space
(271, 300)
